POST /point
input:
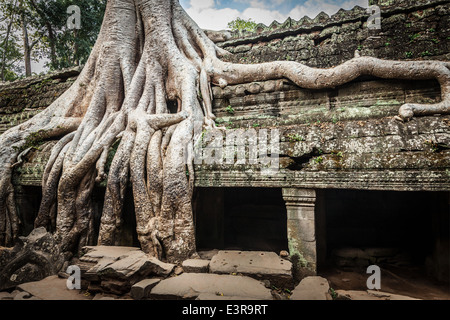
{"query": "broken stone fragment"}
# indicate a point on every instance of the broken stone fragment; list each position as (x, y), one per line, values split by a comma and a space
(312, 288)
(33, 258)
(119, 268)
(142, 289)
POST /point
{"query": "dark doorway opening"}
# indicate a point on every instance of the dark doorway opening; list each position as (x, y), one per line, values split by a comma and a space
(28, 200)
(240, 218)
(127, 234)
(406, 234)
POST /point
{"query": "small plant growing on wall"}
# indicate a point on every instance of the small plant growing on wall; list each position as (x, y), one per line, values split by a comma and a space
(294, 137)
(318, 160)
(230, 110)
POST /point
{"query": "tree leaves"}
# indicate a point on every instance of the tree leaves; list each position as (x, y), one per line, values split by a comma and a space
(240, 25)
(48, 36)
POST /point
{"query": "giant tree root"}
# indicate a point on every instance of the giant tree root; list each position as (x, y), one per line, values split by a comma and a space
(150, 52)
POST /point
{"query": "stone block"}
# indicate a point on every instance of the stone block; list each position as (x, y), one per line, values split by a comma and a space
(256, 264)
(143, 288)
(191, 285)
(312, 288)
(195, 265)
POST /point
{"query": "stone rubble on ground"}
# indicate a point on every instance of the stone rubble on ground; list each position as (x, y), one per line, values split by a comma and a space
(369, 295)
(113, 273)
(117, 269)
(44, 259)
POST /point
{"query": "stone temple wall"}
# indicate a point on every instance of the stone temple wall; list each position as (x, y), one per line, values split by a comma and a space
(343, 137)
(340, 138)
(22, 99)
(409, 30)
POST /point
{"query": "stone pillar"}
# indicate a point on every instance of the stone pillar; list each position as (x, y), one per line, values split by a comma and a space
(300, 205)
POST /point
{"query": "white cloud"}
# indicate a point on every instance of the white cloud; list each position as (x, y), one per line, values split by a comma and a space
(312, 8)
(202, 4)
(265, 16)
(262, 3)
(211, 18)
(208, 16)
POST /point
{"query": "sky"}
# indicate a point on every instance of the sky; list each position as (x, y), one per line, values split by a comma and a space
(215, 14)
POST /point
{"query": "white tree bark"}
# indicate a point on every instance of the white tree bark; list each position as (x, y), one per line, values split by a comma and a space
(150, 52)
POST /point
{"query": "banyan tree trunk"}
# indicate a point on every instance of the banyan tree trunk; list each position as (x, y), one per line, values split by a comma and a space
(150, 53)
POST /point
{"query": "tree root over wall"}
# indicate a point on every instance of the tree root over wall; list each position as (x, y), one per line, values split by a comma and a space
(150, 53)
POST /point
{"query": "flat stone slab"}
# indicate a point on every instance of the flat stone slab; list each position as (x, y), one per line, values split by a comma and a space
(370, 295)
(192, 285)
(51, 288)
(195, 265)
(312, 288)
(260, 265)
(211, 296)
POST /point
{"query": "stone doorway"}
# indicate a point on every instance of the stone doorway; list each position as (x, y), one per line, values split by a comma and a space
(240, 218)
(406, 234)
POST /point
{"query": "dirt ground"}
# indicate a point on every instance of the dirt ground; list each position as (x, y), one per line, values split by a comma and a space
(409, 281)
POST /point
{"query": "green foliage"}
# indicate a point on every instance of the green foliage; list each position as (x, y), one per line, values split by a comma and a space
(111, 153)
(219, 121)
(240, 25)
(10, 53)
(413, 37)
(335, 119)
(294, 137)
(333, 293)
(408, 54)
(338, 154)
(318, 160)
(47, 34)
(230, 110)
(71, 47)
